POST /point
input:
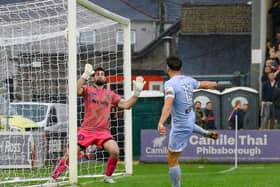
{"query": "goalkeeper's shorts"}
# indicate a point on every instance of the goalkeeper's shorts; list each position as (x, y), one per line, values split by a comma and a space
(98, 138)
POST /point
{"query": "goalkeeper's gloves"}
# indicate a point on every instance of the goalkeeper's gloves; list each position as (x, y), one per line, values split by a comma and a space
(88, 72)
(138, 85)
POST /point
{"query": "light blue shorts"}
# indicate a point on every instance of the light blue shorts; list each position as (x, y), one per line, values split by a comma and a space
(179, 135)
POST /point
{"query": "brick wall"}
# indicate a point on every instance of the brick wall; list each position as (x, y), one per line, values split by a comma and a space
(216, 18)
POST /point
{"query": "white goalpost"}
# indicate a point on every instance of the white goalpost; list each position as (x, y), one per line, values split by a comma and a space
(44, 46)
(72, 66)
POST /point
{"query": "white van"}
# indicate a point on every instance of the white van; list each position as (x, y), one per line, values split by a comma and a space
(53, 117)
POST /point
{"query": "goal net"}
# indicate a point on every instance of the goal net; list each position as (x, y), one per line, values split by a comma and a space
(34, 95)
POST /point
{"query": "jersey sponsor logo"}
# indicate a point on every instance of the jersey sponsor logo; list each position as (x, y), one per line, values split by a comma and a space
(106, 103)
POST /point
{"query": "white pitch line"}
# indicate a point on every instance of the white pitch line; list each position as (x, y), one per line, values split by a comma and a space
(228, 170)
(48, 184)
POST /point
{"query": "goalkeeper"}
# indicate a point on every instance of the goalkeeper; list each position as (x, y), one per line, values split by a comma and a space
(95, 128)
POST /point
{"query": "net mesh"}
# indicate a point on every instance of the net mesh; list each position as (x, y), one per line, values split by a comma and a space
(34, 87)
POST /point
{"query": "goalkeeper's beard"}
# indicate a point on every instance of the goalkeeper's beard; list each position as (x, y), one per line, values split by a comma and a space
(100, 82)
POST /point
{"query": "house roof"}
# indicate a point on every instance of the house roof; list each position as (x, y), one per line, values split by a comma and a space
(147, 10)
(170, 31)
(213, 1)
(132, 9)
(3, 2)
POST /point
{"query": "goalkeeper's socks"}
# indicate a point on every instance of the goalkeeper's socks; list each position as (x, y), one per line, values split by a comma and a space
(111, 166)
(60, 168)
(199, 130)
(175, 176)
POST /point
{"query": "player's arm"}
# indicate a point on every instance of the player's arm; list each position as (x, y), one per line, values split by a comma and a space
(208, 84)
(166, 110)
(138, 86)
(84, 77)
(127, 104)
(80, 84)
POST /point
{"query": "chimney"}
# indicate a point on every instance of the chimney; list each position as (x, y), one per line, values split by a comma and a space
(168, 46)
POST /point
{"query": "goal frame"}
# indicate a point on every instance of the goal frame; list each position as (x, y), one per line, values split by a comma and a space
(72, 77)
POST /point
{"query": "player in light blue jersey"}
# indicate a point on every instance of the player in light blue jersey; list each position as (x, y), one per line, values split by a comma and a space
(179, 103)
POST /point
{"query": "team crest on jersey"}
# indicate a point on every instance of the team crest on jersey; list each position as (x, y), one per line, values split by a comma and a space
(81, 137)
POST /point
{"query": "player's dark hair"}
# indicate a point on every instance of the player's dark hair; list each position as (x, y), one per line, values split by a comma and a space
(99, 69)
(174, 63)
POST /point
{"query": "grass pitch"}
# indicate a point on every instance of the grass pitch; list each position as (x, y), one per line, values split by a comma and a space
(193, 175)
(197, 175)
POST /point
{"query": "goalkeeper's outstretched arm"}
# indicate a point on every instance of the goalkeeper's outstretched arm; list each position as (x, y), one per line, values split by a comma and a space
(80, 84)
(138, 86)
(84, 77)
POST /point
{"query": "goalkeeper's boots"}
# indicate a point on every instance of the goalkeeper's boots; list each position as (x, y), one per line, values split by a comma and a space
(213, 135)
(109, 179)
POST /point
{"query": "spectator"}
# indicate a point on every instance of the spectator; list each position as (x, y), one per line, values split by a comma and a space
(276, 103)
(267, 108)
(278, 51)
(210, 116)
(275, 64)
(236, 112)
(277, 74)
(267, 70)
(199, 115)
(268, 62)
(274, 58)
(245, 109)
(270, 66)
(277, 36)
(268, 47)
